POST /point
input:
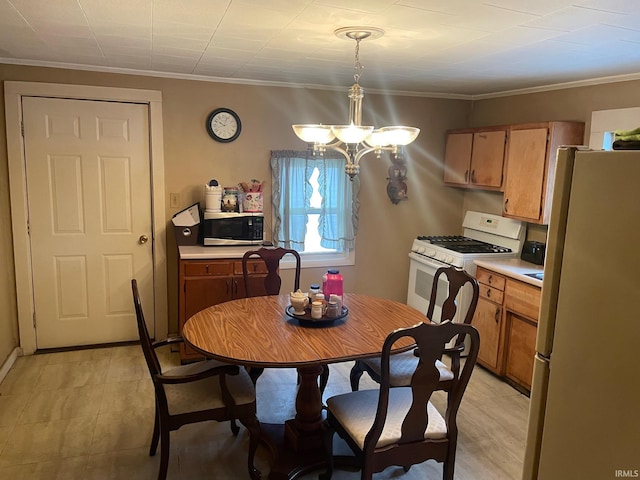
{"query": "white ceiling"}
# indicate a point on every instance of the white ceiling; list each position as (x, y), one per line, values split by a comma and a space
(457, 47)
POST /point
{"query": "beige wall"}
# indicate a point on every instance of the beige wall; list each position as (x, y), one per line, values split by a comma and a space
(192, 159)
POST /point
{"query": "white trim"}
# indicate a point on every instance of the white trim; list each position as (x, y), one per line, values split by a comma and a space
(315, 260)
(13, 92)
(233, 81)
(8, 363)
(560, 86)
(243, 81)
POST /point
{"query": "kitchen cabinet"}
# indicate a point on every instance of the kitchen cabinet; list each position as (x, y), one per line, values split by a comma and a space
(488, 319)
(203, 283)
(506, 318)
(530, 167)
(521, 307)
(475, 158)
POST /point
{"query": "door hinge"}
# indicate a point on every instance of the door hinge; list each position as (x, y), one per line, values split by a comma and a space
(22, 128)
(34, 319)
(28, 228)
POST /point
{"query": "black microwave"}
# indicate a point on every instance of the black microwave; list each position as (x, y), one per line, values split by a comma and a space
(229, 228)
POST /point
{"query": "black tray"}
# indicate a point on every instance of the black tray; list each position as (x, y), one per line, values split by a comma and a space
(306, 319)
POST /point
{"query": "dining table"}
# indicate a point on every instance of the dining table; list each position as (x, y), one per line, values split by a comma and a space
(264, 332)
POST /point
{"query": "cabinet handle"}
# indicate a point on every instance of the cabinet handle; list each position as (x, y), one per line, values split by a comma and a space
(466, 176)
(488, 293)
(497, 315)
(506, 202)
(228, 286)
(490, 279)
(473, 176)
(206, 269)
(255, 267)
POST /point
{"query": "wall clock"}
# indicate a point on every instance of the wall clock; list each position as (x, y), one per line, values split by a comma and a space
(223, 125)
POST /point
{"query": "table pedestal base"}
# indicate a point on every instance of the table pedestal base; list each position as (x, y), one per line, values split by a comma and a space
(288, 461)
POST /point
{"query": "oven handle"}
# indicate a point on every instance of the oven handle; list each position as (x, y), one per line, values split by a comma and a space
(431, 262)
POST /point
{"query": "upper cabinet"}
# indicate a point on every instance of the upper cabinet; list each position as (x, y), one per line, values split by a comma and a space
(475, 158)
(530, 167)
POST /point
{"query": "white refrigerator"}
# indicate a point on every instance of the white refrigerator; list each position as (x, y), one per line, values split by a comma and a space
(584, 417)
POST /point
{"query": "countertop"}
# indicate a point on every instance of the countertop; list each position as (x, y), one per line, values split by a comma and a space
(199, 252)
(514, 268)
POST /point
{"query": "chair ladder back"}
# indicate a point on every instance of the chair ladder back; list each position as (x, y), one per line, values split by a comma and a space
(431, 339)
(145, 340)
(457, 279)
(271, 258)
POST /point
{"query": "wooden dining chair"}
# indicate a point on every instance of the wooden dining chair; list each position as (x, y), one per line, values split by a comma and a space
(272, 283)
(403, 365)
(196, 392)
(400, 425)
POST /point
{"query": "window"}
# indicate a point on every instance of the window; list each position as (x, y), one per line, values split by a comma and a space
(315, 207)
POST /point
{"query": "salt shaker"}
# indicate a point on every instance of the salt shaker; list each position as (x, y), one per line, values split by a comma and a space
(336, 298)
(332, 310)
(316, 310)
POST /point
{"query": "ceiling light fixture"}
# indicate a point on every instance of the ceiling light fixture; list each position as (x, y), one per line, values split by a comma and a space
(355, 140)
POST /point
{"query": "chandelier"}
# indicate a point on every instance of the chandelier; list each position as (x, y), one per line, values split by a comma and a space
(355, 140)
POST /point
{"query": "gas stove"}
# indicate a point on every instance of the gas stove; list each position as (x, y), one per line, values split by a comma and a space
(461, 244)
(485, 235)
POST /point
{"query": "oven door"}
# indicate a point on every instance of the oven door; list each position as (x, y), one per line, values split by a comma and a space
(421, 272)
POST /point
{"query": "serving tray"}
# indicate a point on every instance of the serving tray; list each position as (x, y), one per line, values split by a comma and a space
(305, 319)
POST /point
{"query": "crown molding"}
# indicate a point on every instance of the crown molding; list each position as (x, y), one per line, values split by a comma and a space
(262, 83)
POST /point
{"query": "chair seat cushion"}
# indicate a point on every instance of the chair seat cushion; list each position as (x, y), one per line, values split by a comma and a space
(356, 411)
(206, 393)
(401, 368)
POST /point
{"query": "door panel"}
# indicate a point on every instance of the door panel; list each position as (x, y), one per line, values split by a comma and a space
(88, 187)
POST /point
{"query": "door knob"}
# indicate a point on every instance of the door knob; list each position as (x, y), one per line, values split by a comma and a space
(143, 239)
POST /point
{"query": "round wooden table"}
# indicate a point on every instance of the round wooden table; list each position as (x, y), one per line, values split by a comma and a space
(257, 332)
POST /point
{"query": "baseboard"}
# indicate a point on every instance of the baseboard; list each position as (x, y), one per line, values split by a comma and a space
(11, 359)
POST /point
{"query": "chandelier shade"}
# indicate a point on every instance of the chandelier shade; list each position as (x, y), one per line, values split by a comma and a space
(350, 134)
(355, 140)
(314, 133)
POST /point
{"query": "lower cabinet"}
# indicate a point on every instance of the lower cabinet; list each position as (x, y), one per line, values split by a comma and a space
(203, 283)
(506, 318)
(520, 350)
(488, 319)
(521, 311)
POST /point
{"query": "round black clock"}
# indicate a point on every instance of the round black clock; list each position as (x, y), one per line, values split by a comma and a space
(224, 125)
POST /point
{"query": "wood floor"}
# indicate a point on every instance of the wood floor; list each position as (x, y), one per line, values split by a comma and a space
(88, 414)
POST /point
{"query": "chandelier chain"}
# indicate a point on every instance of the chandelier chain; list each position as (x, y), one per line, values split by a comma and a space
(357, 68)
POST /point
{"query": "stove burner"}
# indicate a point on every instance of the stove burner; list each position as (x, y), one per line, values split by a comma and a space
(461, 244)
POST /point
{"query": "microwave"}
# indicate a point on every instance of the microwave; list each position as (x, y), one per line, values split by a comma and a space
(230, 228)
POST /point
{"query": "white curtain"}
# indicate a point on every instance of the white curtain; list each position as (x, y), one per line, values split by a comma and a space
(291, 199)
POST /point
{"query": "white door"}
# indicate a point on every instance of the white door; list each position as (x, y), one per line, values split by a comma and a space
(89, 202)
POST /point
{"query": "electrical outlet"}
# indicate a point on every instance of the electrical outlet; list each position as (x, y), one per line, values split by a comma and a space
(174, 200)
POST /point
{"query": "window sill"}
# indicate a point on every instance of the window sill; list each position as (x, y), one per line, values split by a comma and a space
(316, 260)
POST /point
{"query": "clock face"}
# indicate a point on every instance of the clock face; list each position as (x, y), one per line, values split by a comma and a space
(224, 125)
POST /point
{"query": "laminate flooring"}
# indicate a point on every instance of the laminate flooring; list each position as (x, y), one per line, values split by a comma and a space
(88, 414)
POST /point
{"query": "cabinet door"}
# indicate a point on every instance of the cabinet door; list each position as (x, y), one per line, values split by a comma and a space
(200, 293)
(487, 158)
(457, 158)
(520, 349)
(524, 184)
(488, 320)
